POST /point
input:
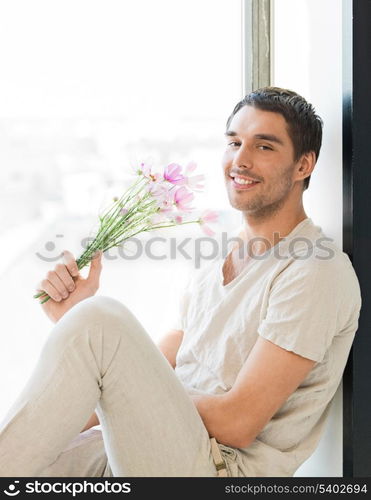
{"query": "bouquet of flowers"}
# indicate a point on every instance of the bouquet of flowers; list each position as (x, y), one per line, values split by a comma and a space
(155, 200)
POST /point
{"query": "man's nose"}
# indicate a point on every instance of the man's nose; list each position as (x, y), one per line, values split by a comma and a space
(243, 158)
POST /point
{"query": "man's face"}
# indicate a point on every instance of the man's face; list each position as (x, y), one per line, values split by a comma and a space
(258, 148)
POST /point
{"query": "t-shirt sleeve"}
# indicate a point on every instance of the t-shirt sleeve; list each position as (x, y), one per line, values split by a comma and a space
(309, 303)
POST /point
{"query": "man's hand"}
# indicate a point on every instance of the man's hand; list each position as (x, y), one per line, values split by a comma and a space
(66, 287)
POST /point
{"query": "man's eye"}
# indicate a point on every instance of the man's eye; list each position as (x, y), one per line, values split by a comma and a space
(263, 147)
(234, 144)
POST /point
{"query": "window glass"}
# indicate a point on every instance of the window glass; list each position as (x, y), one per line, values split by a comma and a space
(89, 89)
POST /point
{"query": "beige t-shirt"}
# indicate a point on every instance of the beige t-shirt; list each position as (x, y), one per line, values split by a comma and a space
(302, 295)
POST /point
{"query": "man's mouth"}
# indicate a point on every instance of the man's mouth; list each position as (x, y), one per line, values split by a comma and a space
(242, 182)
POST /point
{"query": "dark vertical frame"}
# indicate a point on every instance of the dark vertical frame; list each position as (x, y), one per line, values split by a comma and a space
(357, 230)
(347, 222)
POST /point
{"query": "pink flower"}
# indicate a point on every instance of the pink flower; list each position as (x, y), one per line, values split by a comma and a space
(209, 216)
(146, 171)
(163, 195)
(207, 230)
(182, 198)
(190, 167)
(194, 181)
(123, 211)
(158, 218)
(154, 188)
(167, 204)
(172, 174)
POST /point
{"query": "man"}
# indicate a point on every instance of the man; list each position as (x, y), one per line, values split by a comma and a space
(259, 348)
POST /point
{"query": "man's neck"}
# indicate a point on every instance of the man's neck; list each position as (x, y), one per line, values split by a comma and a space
(267, 233)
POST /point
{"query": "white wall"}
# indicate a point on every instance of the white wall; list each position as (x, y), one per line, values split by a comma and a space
(307, 57)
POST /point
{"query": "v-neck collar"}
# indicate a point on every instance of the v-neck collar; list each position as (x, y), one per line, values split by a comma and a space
(237, 278)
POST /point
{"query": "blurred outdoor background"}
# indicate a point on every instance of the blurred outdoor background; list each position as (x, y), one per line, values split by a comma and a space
(88, 90)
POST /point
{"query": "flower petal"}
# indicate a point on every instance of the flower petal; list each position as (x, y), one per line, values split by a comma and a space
(190, 167)
(209, 216)
(172, 174)
(207, 230)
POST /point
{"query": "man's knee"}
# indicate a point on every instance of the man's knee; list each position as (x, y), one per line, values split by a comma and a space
(96, 308)
(94, 314)
(101, 304)
(98, 317)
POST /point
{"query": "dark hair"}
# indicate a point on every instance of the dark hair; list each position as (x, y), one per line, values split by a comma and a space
(304, 125)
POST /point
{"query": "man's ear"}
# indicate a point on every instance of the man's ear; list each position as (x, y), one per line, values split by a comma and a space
(305, 165)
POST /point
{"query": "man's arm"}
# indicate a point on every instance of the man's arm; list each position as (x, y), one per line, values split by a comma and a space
(266, 380)
(168, 345)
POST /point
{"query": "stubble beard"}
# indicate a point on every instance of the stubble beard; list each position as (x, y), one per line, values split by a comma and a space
(262, 207)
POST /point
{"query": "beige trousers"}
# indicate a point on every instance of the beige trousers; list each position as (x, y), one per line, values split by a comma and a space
(99, 357)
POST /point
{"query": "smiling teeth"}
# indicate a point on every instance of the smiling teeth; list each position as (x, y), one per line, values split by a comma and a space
(243, 181)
